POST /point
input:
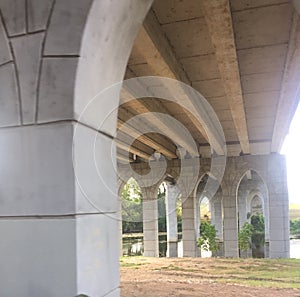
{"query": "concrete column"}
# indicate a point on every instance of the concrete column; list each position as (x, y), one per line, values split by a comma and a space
(56, 227)
(217, 217)
(217, 220)
(58, 210)
(279, 246)
(243, 209)
(150, 221)
(189, 234)
(197, 224)
(230, 226)
(171, 215)
(120, 227)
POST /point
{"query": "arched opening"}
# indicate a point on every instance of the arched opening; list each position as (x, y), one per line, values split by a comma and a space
(132, 219)
(252, 196)
(73, 52)
(209, 214)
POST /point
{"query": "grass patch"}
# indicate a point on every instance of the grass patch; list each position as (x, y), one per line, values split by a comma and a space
(132, 262)
(271, 273)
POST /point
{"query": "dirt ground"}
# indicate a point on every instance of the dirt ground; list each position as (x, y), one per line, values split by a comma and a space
(151, 277)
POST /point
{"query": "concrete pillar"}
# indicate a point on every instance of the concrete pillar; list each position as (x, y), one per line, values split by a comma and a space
(57, 228)
(279, 245)
(120, 227)
(197, 224)
(230, 225)
(217, 216)
(171, 215)
(217, 220)
(189, 234)
(58, 221)
(150, 221)
(243, 209)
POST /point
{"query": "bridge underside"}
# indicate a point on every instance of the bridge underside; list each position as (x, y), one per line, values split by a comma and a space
(68, 128)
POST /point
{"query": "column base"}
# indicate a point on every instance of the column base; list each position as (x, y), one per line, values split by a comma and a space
(172, 249)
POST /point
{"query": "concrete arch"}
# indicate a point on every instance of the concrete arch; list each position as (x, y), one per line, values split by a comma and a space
(71, 51)
(250, 187)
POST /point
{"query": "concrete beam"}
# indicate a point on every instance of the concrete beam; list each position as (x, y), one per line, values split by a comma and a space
(218, 18)
(134, 132)
(124, 146)
(289, 96)
(153, 45)
(158, 122)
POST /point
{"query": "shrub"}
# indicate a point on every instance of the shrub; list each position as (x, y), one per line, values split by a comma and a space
(244, 236)
(208, 237)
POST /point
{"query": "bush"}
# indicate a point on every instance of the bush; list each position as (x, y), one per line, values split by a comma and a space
(208, 237)
(244, 236)
(295, 227)
(258, 235)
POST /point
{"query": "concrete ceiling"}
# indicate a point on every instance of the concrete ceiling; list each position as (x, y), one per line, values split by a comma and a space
(241, 55)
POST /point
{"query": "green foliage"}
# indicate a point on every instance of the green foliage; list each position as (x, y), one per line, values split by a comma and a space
(179, 214)
(208, 237)
(244, 236)
(258, 222)
(258, 235)
(132, 220)
(295, 227)
(161, 205)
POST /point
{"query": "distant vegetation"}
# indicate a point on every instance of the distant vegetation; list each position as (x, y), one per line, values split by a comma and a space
(295, 220)
(294, 211)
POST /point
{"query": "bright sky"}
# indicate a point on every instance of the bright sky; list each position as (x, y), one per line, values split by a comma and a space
(291, 148)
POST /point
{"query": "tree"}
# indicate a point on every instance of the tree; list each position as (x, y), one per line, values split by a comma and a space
(295, 227)
(258, 235)
(244, 237)
(132, 220)
(208, 237)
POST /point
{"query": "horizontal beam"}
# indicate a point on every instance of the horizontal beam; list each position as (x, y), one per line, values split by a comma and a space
(289, 95)
(153, 45)
(219, 22)
(136, 134)
(129, 148)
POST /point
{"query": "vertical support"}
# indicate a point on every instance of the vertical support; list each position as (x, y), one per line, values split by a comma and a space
(197, 224)
(58, 228)
(217, 220)
(171, 215)
(150, 221)
(230, 220)
(189, 235)
(279, 246)
(120, 227)
(243, 208)
(217, 214)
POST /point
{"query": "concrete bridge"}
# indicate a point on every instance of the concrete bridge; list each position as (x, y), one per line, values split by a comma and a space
(71, 134)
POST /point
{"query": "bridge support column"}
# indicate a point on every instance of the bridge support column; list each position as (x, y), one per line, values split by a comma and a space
(57, 217)
(229, 189)
(150, 221)
(189, 234)
(279, 245)
(172, 234)
(217, 220)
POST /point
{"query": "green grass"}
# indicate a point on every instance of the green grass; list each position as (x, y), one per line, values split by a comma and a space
(282, 273)
(271, 273)
(132, 262)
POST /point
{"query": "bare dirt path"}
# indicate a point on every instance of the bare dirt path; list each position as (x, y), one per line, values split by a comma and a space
(150, 277)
